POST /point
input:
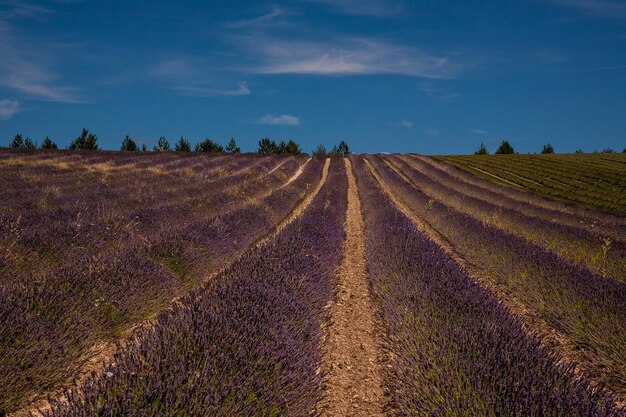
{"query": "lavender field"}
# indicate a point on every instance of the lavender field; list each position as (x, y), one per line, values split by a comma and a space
(193, 284)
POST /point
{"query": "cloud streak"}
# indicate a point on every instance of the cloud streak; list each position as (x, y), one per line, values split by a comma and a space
(188, 77)
(21, 67)
(350, 56)
(275, 17)
(8, 108)
(275, 120)
(11, 9)
(242, 90)
(35, 82)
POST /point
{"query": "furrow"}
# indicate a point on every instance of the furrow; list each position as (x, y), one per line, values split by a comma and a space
(352, 351)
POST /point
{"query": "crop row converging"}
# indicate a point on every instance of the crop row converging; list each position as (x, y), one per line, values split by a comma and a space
(167, 284)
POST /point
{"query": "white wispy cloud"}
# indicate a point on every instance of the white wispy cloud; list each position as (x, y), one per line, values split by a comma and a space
(603, 8)
(283, 119)
(380, 8)
(478, 131)
(241, 90)
(190, 76)
(15, 9)
(8, 108)
(24, 64)
(348, 56)
(274, 17)
(35, 82)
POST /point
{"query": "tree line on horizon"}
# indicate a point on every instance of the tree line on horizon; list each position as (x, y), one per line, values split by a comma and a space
(505, 148)
(89, 141)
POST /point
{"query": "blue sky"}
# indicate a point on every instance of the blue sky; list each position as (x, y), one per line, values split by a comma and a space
(434, 77)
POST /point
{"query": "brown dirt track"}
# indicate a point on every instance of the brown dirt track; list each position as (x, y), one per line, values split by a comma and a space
(353, 383)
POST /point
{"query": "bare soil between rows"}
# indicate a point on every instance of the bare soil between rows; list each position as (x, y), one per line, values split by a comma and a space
(352, 353)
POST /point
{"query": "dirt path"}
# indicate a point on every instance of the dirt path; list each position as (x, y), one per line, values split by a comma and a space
(352, 352)
(103, 354)
(277, 167)
(297, 174)
(532, 323)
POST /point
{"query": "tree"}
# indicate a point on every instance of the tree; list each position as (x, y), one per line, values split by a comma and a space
(182, 145)
(505, 148)
(579, 151)
(547, 149)
(608, 150)
(320, 151)
(86, 141)
(162, 145)
(482, 150)
(28, 144)
(208, 145)
(293, 148)
(281, 148)
(232, 147)
(48, 144)
(343, 149)
(267, 145)
(128, 144)
(144, 148)
(18, 141)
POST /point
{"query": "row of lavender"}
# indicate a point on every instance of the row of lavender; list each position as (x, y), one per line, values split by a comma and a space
(455, 350)
(595, 181)
(114, 266)
(533, 172)
(573, 243)
(611, 226)
(562, 209)
(587, 309)
(245, 344)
